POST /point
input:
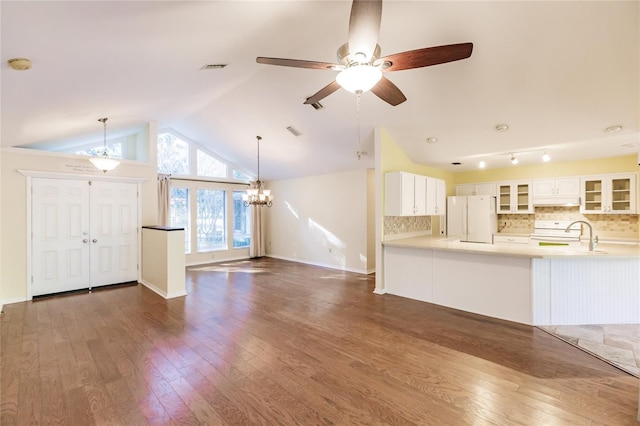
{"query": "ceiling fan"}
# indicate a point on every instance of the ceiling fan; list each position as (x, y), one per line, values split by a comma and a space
(359, 61)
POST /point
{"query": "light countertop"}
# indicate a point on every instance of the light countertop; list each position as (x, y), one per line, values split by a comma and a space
(603, 250)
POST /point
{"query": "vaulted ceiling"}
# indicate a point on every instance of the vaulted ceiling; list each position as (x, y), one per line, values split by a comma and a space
(558, 73)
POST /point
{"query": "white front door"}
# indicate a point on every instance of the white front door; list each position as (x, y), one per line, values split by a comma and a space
(84, 234)
(114, 238)
(60, 235)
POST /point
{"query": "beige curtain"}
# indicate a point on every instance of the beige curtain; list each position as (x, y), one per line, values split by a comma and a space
(163, 199)
(256, 249)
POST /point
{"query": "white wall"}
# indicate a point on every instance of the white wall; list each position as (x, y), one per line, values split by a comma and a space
(323, 220)
(13, 199)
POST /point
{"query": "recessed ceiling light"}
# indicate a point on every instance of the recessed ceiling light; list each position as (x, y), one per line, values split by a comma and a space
(501, 128)
(613, 129)
(432, 140)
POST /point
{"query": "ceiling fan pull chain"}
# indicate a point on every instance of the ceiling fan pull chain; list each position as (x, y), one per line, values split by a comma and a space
(358, 152)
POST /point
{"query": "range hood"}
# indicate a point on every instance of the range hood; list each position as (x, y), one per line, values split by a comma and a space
(556, 201)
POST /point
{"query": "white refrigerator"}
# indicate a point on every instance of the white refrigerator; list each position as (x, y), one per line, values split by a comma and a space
(472, 218)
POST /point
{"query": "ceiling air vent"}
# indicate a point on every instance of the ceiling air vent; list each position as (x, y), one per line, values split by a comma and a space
(213, 66)
(294, 131)
(317, 105)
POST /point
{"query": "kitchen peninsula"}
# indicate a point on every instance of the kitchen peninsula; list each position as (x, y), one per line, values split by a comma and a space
(525, 284)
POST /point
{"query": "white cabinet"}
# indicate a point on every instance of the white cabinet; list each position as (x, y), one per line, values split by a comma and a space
(405, 194)
(514, 197)
(436, 196)
(606, 194)
(511, 239)
(561, 187)
(476, 189)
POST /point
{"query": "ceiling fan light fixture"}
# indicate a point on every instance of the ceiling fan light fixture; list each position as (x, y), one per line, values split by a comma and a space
(359, 78)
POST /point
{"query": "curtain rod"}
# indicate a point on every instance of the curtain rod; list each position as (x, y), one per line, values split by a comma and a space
(208, 180)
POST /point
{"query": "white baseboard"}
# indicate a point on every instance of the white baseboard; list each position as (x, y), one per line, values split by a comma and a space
(10, 301)
(379, 291)
(323, 265)
(161, 292)
(210, 261)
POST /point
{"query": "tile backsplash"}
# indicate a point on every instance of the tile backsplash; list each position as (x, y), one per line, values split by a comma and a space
(604, 225)
(394, 225)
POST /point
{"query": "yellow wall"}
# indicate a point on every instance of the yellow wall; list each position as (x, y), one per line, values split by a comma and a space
(393, 159)
(627, 163)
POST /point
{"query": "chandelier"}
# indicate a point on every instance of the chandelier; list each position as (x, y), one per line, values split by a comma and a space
(102, 161)
(256, 195)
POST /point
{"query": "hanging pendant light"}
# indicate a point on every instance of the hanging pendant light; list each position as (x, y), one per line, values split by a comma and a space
(256, 195)
(102, 161)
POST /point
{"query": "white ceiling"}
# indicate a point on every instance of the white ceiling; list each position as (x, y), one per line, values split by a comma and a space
(557, 73)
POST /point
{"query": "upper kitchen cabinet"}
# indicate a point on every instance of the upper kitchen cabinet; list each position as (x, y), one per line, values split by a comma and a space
(607, 194)
(560, 191)
(405, 194)
(514, 197)
(436, 196)
(476, 189)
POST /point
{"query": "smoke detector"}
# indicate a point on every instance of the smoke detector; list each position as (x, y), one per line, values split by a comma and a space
(19, 64)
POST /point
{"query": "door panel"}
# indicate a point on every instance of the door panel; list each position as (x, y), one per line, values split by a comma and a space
(114, 235)
(60, 227)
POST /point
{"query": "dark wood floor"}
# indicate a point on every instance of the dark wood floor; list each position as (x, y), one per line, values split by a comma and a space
(275, 342)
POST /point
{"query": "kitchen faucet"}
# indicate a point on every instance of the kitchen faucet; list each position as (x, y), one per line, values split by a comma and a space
(592, 243)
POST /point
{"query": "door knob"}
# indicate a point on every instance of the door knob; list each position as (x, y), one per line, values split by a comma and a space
(94, 240)
(85, 241)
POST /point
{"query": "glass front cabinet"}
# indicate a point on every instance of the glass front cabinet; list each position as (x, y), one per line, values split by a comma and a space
(607, 194)
(514, 197)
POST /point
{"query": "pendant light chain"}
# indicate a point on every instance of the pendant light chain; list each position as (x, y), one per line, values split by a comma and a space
(259, 138)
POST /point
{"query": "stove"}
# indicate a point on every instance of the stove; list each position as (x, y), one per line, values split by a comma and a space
(552, 233)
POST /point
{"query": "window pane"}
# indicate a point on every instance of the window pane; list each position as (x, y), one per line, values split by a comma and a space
(209, 166)
(241, 222)
(114, 150)
(240, 176)
(179, 215)
(211, 220)
(173, 155)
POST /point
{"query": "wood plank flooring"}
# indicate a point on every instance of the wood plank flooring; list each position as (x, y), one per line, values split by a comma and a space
(273, 342)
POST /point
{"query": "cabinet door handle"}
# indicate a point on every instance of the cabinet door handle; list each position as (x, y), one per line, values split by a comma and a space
(94, 240)
(85, 241)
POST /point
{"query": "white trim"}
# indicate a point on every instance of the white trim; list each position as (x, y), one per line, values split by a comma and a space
(219, 260)
(322, 265)
(380, 291)
(391, 237)
(12, 300)
(162, 293)
(78, 176)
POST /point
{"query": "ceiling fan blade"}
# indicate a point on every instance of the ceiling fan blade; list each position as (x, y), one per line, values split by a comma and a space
(427, 56)
(364, 26)
(388, 92)
(323, 93)
(297, 63)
